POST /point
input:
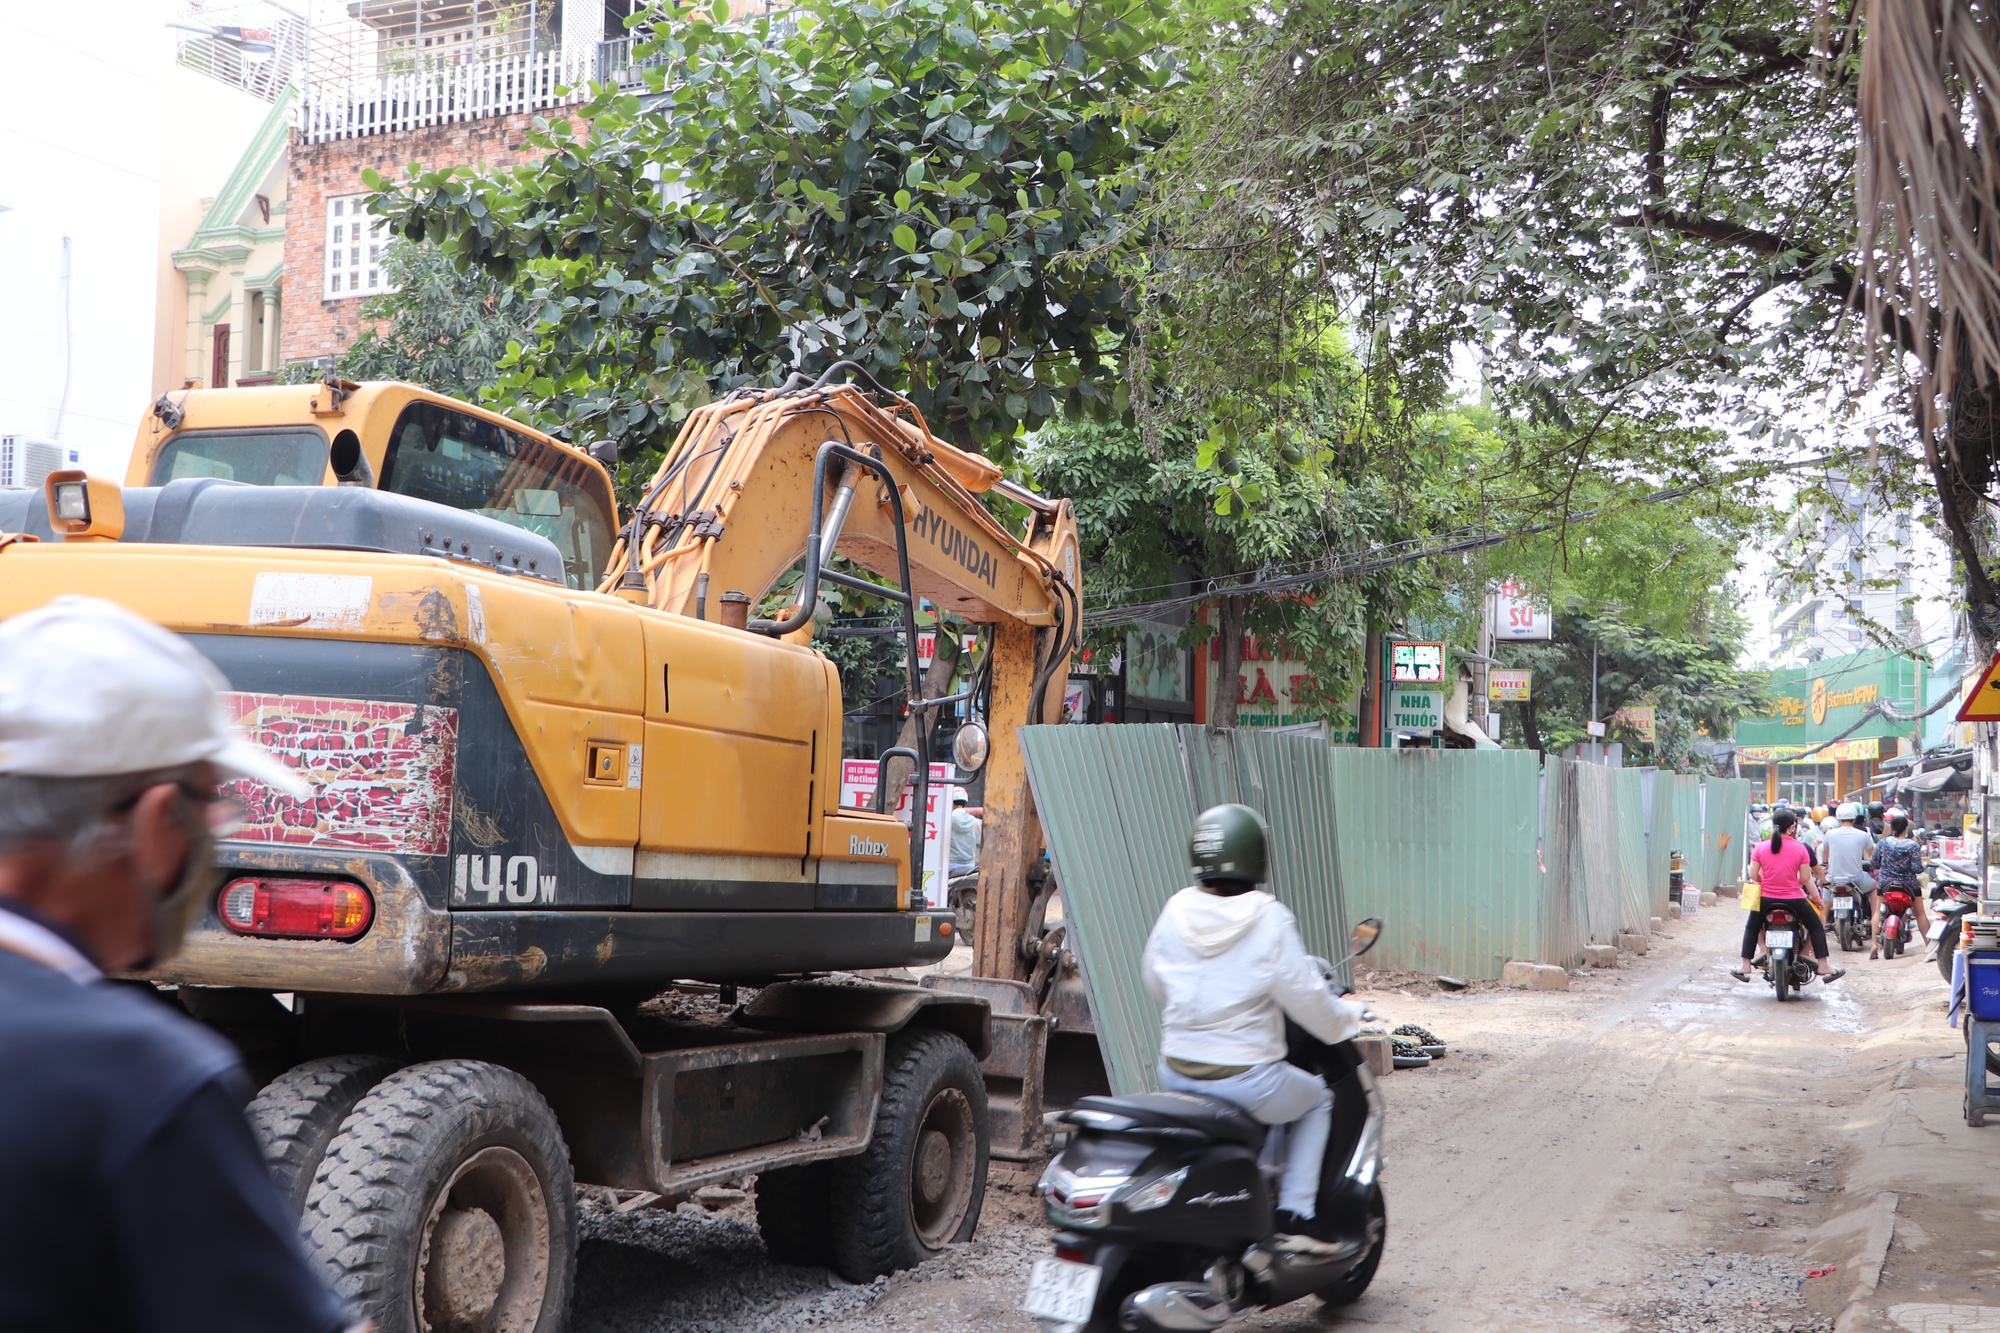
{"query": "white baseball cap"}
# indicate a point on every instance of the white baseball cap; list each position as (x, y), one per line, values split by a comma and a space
(88, 689)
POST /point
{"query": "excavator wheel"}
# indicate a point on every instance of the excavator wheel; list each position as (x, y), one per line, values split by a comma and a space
(447, 1202)
(297, 1114)
(920, 1185)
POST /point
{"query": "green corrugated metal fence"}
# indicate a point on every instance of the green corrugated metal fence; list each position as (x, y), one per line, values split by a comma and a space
(1728, 807)
(1289, 780)
(1632, 913)
(1686, 829)
(1448, 847)
(1659, 788)
(1116, 811)
(1441, 845)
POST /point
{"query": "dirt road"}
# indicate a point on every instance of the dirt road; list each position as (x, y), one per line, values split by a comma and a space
(1660, 1148)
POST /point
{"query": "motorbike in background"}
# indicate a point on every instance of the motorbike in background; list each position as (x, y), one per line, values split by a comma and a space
(1899, 921)
(1954, 894)
(1165, 1204)
(1786, 967)
(1846, 923)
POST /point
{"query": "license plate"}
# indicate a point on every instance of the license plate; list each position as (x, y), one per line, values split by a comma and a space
(1778, 939)
(1062, 1290)
(1843, 904)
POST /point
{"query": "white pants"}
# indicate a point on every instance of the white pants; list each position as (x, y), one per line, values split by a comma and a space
(1278, 1094)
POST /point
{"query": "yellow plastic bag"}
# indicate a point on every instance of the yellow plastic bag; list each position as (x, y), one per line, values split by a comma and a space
(1751, 895)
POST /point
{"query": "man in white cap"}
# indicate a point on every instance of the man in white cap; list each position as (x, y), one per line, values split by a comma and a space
(132, 1194)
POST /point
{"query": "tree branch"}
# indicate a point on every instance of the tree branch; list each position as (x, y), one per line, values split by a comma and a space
(1839, 281)
(1749, 78)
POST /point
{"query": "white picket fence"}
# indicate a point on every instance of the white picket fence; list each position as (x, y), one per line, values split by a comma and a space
(473, 91)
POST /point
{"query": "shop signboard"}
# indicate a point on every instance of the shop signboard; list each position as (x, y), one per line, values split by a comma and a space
(1509, 686)
(1825, 700)
(1420, 712)
(1866, 748)
(857, 792)
(1271, 692)
(1416, 664)
(1516, 618)
(1639, 720)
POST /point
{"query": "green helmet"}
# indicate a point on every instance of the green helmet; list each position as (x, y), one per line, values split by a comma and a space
(1230, 842)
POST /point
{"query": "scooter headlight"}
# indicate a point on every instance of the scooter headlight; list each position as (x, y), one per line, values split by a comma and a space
(1153, 1193)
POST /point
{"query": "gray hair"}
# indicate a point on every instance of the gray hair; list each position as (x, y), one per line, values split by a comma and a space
(34, 808)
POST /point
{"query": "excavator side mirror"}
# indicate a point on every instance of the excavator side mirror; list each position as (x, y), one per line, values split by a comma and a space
(970, 747)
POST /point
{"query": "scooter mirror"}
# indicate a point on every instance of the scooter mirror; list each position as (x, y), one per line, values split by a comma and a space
(1364, 937)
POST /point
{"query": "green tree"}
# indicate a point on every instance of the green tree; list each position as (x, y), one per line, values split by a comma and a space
(1634, 212)
(440, 326)
(931, 188)
(1690, 680)
(1164, 529)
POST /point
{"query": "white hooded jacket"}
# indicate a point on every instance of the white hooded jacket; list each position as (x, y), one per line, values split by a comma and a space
(1227, 972)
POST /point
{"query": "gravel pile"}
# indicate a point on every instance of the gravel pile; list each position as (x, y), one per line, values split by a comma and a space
(1722, 1293)
(693, 1270)
(653, 1271)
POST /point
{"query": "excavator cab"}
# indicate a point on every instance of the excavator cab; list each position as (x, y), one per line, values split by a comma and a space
(394, 438)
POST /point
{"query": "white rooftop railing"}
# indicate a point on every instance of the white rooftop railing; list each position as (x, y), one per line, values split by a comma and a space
(476, 90)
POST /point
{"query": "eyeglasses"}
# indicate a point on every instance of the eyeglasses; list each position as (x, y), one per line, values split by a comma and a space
(223, 815)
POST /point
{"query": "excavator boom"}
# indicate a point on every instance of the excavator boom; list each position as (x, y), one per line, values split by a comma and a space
(766, 487)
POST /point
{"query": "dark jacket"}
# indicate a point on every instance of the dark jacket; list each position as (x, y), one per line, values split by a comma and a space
(132, 1193)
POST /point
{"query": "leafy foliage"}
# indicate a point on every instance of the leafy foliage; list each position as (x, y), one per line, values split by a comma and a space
(442, 327)
(1690, 681)
(1633, 204)
(1155, 524)
(931, 188)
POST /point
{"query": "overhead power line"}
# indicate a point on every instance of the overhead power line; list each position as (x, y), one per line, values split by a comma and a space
(1389, 556)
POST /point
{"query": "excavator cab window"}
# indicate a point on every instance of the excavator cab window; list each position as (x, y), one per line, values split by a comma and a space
(470, 463)
(291, 457)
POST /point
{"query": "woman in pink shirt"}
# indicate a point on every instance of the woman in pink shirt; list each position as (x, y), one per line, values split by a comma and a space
(1783, 869)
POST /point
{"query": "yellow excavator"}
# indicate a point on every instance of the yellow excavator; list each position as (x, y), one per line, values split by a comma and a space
(570, 792)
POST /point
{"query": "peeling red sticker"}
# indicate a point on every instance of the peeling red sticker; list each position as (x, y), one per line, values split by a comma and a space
(381, 773)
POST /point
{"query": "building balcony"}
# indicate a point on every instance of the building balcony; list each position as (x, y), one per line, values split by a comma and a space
(399, 103)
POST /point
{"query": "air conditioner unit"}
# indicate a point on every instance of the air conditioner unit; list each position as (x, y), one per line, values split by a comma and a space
(25, 462)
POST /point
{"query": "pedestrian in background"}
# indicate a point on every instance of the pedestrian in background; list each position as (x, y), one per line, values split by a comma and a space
(132, 1194)
(966, 829)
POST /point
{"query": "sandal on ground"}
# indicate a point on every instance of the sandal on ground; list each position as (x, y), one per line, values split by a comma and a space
(1830, 977)
(1739, 974)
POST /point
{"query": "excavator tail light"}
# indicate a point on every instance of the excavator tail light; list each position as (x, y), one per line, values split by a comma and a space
(296, 909)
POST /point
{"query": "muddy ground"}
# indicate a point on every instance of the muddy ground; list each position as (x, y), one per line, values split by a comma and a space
(1660, 1149)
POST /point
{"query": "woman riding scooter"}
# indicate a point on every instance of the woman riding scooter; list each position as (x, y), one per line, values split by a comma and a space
(1899, 859)
(1783, 870)
(1226, 964)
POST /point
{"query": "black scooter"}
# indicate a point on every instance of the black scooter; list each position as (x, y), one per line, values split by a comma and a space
(1167, 1219)
(1786, 965)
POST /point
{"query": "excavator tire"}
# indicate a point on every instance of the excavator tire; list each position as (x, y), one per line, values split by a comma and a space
(298, 1113)
(795, 1214)
(920, 1185)
(447, 1202)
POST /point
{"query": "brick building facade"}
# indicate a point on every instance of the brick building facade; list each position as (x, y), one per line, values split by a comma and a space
(321, 322)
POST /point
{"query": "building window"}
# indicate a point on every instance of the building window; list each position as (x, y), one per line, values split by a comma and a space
(355, 244)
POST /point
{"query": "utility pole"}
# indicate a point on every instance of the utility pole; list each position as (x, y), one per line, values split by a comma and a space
(1482, 670)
